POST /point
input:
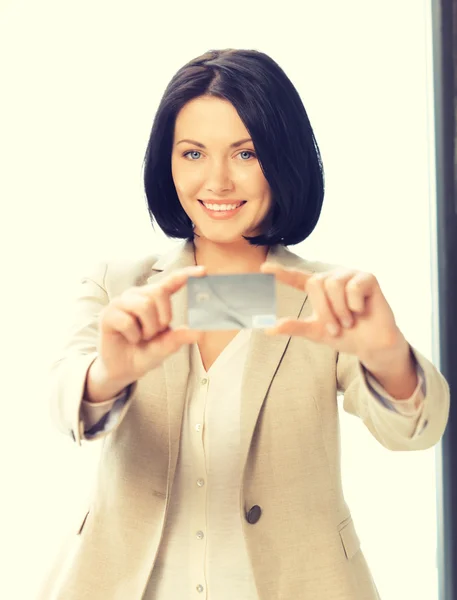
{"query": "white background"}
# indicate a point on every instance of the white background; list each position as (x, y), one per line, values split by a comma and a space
(80, 83)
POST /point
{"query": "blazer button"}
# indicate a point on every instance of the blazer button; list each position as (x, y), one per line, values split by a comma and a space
(254, 514)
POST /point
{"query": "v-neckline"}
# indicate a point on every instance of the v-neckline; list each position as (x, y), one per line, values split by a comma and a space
(241, 337)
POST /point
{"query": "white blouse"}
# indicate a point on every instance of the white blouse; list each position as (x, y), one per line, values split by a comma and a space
(203, 553)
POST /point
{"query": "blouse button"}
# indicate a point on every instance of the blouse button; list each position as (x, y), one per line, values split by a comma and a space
(254, 514)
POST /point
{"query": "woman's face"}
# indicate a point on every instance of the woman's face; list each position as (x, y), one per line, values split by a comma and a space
(216, 173)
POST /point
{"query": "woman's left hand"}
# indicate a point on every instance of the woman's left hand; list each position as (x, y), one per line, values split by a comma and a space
(350, 312)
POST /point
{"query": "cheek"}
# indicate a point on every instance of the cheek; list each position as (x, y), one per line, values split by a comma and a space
(187, 182)
(263, 192)
(256, 184)
(264, 186)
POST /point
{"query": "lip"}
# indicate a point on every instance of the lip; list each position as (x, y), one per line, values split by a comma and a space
(227, 201)
(222, 214)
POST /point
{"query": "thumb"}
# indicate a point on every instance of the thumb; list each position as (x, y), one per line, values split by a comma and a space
(307, 328)
(184, 335)
(172, 339)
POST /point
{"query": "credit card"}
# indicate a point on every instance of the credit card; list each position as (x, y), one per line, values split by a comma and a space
(244, 301)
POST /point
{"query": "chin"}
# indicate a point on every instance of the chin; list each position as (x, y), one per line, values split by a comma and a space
(223, 237)
(217, 239)
(228, 231)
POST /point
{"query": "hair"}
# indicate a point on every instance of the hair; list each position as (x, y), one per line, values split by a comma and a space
(273, 113)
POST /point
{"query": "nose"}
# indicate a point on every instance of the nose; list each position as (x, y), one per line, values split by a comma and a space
(219, 179)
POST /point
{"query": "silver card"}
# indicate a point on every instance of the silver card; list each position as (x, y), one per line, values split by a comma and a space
(246, 301)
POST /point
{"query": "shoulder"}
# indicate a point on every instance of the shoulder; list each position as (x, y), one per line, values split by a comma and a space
(116, 274)
(134, 270)
(120, 273)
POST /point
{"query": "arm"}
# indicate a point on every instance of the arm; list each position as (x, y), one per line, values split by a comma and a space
(68, 374)
(411, 406)
(396, 431)
(102, 417)
(350, 313)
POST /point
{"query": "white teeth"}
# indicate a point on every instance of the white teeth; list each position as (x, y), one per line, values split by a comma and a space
(220, 207)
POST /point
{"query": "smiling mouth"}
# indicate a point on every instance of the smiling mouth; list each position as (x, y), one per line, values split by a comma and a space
(223, 208)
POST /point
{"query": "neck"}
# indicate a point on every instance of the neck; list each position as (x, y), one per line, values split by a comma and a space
(220, 259)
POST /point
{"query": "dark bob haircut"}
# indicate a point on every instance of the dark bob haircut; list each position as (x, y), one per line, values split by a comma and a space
(273, 113)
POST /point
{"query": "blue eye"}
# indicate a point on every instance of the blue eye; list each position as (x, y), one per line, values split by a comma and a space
(193, 152)
(247, 152)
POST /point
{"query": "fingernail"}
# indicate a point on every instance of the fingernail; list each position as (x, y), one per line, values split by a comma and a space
(347, 323)
(332, 329)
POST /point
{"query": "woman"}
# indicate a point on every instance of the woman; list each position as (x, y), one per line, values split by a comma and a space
(220, 468)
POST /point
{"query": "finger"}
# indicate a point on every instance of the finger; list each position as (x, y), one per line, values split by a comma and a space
(119, 321)
(184, 335)
(176, 281)
(157, 309)
(325, 316)
(143, 308)
(171, 340)
(358, 289)
(308, 328)
(163, 308)
(293, 277)
(335, 288)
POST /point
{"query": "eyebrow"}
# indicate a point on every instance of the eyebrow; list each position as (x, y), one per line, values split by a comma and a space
(200, 145)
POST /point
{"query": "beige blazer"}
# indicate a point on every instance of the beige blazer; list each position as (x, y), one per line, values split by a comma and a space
(304, 546)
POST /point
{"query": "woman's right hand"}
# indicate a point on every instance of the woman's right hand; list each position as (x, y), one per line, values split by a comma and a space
(135, 334)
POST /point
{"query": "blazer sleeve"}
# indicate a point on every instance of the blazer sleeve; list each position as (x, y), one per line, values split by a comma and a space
(394, 430)
(68, 373)
(411, 406)
(103, 416)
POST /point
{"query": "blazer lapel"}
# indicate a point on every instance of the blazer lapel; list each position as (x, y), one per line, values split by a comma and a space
(265, 352)
(177, 366)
